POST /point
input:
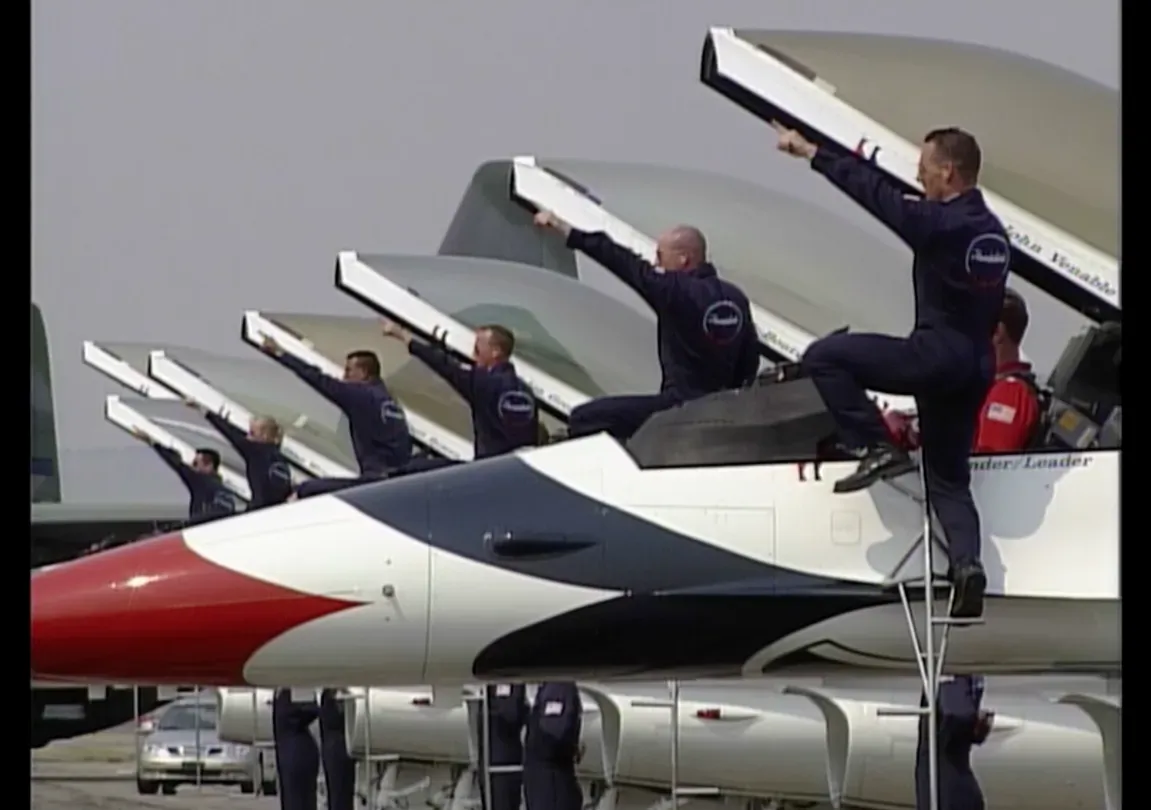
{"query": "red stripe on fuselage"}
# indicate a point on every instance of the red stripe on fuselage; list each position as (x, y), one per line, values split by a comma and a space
(156, 612)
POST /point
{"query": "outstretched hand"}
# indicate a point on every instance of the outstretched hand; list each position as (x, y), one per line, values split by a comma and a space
(792, 143)
(546, 219)
(394, 331)
(270, 346)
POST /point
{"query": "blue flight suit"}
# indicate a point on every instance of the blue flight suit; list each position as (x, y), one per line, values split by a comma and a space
(380, 436)
(504, 412)
(506, 718)
(707, 341)
(959, 726)
(268, 472)
(551, 748)
(209, 499)
(297, 756)
(961, 261)
(339, 768)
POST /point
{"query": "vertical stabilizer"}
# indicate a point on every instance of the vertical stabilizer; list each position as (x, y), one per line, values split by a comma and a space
(45, 460)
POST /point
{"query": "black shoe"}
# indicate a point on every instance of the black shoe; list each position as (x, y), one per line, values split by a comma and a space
(878, 464)
(970, 583)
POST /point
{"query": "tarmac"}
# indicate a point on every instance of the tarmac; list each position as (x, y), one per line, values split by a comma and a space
(97, 772)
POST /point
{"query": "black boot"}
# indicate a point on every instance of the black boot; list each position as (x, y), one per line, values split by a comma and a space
(970, 582)
(876, 464)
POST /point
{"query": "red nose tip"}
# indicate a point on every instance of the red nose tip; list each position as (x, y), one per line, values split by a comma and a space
(157, 612)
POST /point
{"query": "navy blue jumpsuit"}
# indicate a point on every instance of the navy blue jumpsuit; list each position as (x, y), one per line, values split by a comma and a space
(297, 756)
(551, 748)
(380, 436)
(961, 261)
(339, 767)
(504, 413)
(707, 341)
(269, 475)
(959, 731)
(507, 716)
(209, 499)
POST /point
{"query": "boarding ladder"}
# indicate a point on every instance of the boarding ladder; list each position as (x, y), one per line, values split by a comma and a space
(930, 652)
(377, 775)
(484, 749)
(678, 794)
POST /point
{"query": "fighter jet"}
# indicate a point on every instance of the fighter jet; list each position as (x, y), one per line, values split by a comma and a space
(62, 531)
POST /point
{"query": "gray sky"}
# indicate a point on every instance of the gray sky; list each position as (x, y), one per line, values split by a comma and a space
(206, 157)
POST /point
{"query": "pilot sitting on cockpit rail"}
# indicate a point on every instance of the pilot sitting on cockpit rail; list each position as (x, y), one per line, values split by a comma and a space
(707, 342)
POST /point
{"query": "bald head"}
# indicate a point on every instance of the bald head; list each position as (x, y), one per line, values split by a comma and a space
(265, 429)
(681, 248)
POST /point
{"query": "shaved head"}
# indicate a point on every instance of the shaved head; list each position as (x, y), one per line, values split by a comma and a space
(683, 247)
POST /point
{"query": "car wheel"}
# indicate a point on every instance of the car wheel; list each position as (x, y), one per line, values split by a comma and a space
(146, 788)
(168, 789)
(270, 788)
(247, 787)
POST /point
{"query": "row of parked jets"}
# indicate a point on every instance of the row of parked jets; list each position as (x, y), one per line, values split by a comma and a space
(587, 560)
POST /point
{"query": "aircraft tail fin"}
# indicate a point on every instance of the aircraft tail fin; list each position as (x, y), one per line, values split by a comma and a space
(45, 458)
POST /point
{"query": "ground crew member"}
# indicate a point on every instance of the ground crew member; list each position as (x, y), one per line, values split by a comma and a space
(504, 413)
(209, 499)
(707, 341)
(551, 748)
(962, 724)
(962, 257)
(379, 428)
(269, 475)
(507, 714)
(339, 768)
(1011, 411)
(297, 756)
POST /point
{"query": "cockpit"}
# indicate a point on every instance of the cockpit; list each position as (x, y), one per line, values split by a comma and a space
(781, 417)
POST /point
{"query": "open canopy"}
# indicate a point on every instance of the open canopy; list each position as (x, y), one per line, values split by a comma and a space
(572, 342)
(1049, 137)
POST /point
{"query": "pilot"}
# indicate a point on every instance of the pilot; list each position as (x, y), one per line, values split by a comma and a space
(268, 472)
(379, 428)
(339, 767)
(707, 341)
(209, 498)
(297, 755)
(962, 257)
(507, 714)
(1011, 411)
(504, 413)
(962, 724)
(551, 748)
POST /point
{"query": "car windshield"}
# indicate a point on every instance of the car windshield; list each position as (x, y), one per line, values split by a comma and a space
(184, 718)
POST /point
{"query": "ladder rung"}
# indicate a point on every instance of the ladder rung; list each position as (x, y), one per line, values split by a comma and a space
(900, 712)
(956, 621)
(505, 768)
(382, 758)
(696, 791)
(653, 704)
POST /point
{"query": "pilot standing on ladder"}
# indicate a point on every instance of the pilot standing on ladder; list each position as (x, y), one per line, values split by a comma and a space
(379, 428)
(962, 724)
(297, 757)
(551, 748)
(962, 257)
(504, 412)
(507, 714)
(707, 342)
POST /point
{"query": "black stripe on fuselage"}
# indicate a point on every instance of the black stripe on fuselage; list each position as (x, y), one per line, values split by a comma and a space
(685, 606)
(490, 511)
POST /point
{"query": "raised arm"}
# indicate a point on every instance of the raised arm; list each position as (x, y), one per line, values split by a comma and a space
(910, 218)
(340, 393)
(235, 437)
(458, 375)
(189, 477)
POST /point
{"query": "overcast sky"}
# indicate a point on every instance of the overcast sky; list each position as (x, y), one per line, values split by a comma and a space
(193, 158)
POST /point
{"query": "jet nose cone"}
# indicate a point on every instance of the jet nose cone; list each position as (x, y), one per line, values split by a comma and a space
(157, 612)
